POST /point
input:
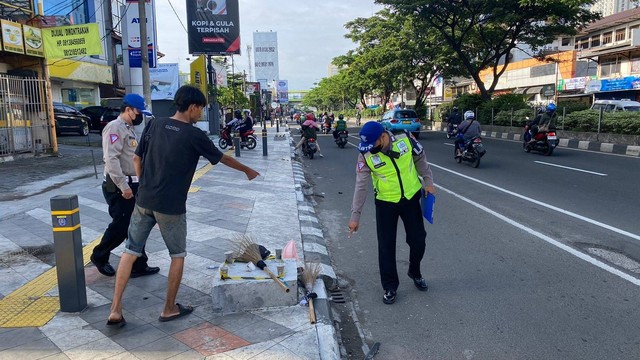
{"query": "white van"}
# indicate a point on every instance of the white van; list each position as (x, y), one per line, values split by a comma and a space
(616, 105)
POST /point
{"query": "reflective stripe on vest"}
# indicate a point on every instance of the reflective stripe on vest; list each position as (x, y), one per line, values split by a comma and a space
(394, 179)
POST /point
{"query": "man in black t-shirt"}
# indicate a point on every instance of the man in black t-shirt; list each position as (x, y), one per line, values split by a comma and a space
(165, 162)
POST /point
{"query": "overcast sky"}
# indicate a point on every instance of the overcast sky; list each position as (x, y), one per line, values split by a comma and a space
(310, 34)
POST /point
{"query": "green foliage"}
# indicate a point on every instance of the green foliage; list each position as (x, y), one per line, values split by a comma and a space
(226, 97)
(516, 118)
(571, 106)
(627, 123)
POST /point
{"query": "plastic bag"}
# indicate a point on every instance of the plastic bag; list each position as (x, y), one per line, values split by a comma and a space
(290, 251)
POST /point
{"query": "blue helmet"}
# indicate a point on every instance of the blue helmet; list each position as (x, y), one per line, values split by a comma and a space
(551, 107)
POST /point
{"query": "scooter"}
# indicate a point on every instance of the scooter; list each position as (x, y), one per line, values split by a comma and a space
(309, 147)
(343, 135)
(326, 128)
(472, 151)
(452, 133)
(247, 139)
(544, 142)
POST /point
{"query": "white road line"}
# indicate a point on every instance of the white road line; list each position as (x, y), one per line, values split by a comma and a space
(570, 168)
(449, 144)
(555, 208)
(548, 239)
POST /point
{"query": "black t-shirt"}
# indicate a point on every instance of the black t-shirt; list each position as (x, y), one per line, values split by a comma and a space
(170, 150)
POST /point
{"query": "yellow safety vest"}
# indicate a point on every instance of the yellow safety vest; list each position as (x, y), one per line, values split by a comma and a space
(394, 179)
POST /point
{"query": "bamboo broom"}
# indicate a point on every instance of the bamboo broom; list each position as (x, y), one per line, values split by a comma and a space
(309, 275)
(245, 249)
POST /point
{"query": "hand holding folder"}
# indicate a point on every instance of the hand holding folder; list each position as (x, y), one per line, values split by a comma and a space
(427, 203)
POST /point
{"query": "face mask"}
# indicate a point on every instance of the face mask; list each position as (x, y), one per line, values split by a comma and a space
(138, 120)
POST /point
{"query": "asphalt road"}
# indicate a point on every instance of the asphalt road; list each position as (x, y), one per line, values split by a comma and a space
(530, 257)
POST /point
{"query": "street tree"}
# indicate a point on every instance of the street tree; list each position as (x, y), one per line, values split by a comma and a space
(482, 33)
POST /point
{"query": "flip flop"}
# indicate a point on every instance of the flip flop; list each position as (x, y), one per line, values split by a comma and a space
(184, 310)
(117, 323)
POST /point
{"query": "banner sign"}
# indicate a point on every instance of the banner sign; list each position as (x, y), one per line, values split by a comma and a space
(626, 83)
(132, 19)
(12, 37)
(165, 81)
(198, 75)
(33, 41)
(575, 83)
(252, 88)
(213, 27)
(283, 91)
(265, 50)
(70, 41)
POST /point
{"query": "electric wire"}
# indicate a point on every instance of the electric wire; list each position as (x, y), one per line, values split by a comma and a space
(178, 17)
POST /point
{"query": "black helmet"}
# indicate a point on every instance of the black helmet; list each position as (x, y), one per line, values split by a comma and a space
(340, 116)
(237, 114)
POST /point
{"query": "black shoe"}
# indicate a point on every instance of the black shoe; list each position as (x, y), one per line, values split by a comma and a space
(105, 269)
(389, 297)
(419, 282)
(146, 271)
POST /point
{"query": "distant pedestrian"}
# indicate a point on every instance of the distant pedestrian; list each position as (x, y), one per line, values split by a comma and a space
(119, 141)
(166, 160)
(396, 164)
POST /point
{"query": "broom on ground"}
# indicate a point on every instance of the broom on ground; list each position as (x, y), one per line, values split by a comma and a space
(245, 249)
(309, 275)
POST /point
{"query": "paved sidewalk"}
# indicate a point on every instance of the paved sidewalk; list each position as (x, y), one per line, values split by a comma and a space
(221, 204)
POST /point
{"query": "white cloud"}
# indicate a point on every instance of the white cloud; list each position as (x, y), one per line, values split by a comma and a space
(310, 33)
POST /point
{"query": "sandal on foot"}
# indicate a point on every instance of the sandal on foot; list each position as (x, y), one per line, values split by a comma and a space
(184, 310)
(117, 323)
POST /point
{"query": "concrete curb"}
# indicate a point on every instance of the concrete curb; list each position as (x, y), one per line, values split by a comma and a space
(629, 150)
(315, 249)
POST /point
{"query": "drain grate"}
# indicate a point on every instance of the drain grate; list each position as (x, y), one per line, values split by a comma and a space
(338, 297)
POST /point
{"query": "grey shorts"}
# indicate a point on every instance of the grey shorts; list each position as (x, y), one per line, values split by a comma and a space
(172, 227)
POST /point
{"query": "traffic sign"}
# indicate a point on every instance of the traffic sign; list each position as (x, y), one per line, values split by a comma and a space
(274, 105)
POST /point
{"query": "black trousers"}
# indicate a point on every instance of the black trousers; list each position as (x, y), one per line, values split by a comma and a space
(120, 210)
(387, 215)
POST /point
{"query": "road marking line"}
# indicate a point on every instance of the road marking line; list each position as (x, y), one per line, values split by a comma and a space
(570, 168)
(548, 206)
(450, 144)
(548, 239)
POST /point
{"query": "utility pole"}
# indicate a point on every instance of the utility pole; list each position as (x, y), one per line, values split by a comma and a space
(144, 53)
(214, 110)
(249, 57)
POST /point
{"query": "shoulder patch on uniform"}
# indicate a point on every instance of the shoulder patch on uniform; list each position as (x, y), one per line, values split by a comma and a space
(360, 165)
(113, 138)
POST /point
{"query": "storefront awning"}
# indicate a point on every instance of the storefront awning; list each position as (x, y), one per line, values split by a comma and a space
(519, 91)
(533, 90)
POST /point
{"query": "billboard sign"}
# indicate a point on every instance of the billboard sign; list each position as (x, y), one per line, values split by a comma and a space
(70, 41)
(132, 21)
(165, 81)
(12, 37)
(213, 27)
(265, 50)
(33, 42)
(283, 91)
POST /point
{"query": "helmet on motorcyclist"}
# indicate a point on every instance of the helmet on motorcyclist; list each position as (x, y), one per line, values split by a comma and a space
(237, 114)
(310, 116)
(468, 115)
(340, 116)
(455, 108)
(551, 107)
(247, 111)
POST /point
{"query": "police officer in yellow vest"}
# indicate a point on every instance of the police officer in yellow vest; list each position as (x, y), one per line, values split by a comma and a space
(399, 169)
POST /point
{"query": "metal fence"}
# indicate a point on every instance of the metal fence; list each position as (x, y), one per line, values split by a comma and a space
(24, 120)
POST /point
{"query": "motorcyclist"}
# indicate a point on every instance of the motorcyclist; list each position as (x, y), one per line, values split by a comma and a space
(341, 125)
(545, 120)
(309, 131)
(327, 122)
(453, 118)
(469, 129)
(246, 124)
(232, 125)
(358, 117)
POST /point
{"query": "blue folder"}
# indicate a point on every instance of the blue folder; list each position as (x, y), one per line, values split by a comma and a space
(428, 202)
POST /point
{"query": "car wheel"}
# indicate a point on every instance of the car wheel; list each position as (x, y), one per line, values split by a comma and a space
(84, 129)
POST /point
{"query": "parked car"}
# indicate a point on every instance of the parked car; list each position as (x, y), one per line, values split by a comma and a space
(616, 105)
(402, 119)
(70, 119)
(100, 116)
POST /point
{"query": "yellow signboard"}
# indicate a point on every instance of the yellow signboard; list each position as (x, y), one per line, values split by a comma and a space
(199, 74)
(70, 41)
(12, 37)
(33, 41)
(80, 70)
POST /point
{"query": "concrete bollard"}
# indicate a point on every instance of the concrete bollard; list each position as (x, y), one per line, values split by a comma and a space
(264, 142)
(67, 243)
(236, 144)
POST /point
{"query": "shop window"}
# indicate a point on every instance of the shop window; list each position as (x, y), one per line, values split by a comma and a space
(621, 34)
(78, 97)
(566, 41)
(606, 38)
(609, 68)
(595, 41)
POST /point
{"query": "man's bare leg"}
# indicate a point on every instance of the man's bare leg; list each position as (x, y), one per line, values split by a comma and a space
(174, 279)
(122, 278)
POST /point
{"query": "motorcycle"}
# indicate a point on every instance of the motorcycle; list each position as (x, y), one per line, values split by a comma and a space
(452, 133)
(247, 139)
(342, 138)
(309, 147)
(545, 141)
(472, 151)
(326, 128)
